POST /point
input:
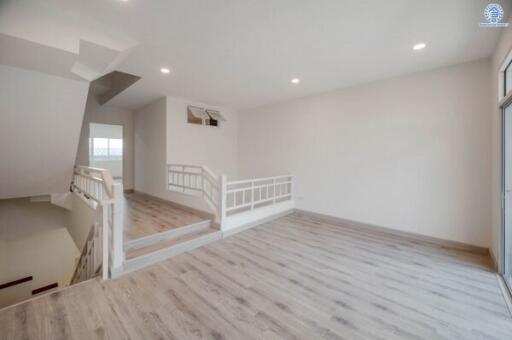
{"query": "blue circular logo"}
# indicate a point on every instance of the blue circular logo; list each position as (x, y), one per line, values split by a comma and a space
(493, 13)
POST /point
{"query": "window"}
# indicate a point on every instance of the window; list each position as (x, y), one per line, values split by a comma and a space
(201, 116)
(507, 84)
(106, 149)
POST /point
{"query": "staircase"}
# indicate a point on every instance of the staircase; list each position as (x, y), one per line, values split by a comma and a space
(235, 206)
(157, 247)
(15, 291)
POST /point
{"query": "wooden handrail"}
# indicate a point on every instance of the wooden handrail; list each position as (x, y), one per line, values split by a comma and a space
(16, 282)
(243, 181)
(210, 173)
(181, 178)
(45, 288)
(104, 177)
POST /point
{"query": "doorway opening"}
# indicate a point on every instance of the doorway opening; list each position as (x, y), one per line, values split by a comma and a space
(106, 148)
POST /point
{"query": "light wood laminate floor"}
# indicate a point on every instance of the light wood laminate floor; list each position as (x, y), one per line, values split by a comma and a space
(293, 278)
(144, 215)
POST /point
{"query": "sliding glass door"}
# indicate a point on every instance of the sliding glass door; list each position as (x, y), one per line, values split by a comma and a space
(507, 192)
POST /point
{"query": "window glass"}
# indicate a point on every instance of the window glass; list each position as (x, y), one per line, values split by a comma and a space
(104, 149)
(115, 148)
(100, 148)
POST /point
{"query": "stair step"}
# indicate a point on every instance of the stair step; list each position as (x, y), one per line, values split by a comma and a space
(167, 235)
(142, 257)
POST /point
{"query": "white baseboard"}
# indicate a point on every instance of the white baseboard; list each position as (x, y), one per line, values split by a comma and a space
(258, 217)
(396, 233)
(494, 262)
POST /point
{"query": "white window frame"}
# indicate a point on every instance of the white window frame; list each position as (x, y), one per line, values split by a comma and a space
(502, 96)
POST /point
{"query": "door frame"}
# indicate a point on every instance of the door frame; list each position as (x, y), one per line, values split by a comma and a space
(501, 262)
(123, 156)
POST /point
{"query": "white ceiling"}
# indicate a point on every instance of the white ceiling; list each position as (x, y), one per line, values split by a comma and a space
(242, 54)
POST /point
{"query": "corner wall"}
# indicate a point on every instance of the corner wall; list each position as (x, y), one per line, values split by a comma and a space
(94, 113)
(213, 146)
(411, 153)
(150, 155)
(149, 141)
(163, 136)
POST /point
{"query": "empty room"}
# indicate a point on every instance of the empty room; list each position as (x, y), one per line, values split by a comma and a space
(234, 169)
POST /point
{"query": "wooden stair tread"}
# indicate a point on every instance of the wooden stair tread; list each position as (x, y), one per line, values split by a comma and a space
(171, 234)
(167, 243)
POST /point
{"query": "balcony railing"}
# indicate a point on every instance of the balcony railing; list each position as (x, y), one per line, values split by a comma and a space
(228, 199)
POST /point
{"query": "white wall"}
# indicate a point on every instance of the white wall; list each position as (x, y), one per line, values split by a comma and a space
(162, 136)
(34, 241)
(150, 146)
(94, 113)
(503, 47)
(150, 155)
(410, 153)
(80, 220)
(215, 147)
(40, 120)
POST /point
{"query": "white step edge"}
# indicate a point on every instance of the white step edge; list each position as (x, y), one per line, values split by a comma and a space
(165, 253)
(167, 235)
(40, 198)
(63, 200)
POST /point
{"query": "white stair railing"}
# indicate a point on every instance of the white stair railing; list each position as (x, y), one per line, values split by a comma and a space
(90, 260)
(198, 181)
(103, 195)
(229, 198)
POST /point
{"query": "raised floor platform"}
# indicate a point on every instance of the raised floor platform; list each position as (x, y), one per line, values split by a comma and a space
(155, 230)
(146, 215)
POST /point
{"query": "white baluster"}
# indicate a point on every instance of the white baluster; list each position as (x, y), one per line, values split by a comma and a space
(117, 225)
(222, 199)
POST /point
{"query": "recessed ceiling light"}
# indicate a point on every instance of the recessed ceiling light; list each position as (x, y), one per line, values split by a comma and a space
(165, 70)
(295, 80)
(419, 46)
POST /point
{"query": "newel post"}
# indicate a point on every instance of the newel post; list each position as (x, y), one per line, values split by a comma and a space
(223, 184)
(117, 227)
(104, 241)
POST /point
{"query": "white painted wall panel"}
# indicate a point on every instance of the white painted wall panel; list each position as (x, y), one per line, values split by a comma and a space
(410, 153)
(162, 136)
(212, 146)
(40, 121)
